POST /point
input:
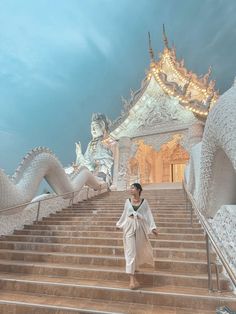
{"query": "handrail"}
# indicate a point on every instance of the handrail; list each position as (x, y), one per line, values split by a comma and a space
(46, 199)
(209, 232)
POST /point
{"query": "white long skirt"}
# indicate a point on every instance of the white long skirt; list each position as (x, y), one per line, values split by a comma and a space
(137, 246)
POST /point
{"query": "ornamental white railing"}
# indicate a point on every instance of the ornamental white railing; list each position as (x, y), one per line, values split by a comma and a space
(210, 241)
(14, 213)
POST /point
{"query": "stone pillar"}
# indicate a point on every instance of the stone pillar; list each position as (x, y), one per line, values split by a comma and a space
(124, 147)
(195, 133)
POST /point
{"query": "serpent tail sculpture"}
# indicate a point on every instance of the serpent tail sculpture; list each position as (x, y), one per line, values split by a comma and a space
(39, 164)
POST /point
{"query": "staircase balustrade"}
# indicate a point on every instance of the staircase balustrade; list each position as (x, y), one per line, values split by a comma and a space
(210, 243)
(69, 195)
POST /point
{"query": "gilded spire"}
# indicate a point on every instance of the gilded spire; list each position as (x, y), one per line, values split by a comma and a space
(150, 48)
(165, 37)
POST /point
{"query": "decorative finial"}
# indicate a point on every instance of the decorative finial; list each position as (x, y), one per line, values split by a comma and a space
(165, 37)
(173, 50)
(150, 48)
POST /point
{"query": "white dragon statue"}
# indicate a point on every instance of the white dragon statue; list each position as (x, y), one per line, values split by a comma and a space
(37, 165)
(211, 173)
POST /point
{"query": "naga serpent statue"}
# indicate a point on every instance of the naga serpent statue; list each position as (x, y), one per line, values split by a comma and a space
(211, 174)
(37, 165)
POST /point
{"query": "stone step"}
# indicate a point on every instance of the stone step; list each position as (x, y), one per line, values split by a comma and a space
(175, 265)
(77, 227)
(115, 206)
(151, 200)
(121, 207)
(160, 252)
(191, 298)
(146, 194)
(161, 196)
(155, 198)
(104, 224)
(161, 202)
(73, 262)
(156, 243)
(181, 232)
(168, 200)
(119, 210)
(156, 278)
(108, 214)
(117, 214)
(100, 219)
(101, 235)
(149, 196)
(11, 303)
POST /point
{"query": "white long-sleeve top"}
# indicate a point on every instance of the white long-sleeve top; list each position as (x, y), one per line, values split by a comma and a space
(143, 212)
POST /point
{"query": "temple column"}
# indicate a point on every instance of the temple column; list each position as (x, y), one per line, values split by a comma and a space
(124, 148)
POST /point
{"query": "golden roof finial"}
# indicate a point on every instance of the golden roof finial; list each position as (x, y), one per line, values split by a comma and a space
(150, 48)
(165, 37)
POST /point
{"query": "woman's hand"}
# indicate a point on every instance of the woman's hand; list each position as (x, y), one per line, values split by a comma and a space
(155, 232)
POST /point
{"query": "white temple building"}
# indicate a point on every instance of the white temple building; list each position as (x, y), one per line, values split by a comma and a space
(153, 136)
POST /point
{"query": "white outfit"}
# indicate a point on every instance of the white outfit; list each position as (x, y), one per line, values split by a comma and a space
(136, 226)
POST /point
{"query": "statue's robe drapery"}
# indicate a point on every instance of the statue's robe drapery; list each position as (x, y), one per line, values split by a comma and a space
(97, 158)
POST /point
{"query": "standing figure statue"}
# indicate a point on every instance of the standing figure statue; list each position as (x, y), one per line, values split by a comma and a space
(98, 156)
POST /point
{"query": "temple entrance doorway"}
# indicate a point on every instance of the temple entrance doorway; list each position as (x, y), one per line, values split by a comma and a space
(166, 165)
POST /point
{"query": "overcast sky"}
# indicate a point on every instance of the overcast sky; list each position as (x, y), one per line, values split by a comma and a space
(62, 60)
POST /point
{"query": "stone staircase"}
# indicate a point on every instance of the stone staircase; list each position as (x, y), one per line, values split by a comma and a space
(73, 262)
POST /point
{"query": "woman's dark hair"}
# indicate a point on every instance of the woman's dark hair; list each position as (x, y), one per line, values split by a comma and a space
(138, 187)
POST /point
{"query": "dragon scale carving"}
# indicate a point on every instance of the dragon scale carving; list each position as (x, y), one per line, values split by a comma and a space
(211, 173)
(213, 162)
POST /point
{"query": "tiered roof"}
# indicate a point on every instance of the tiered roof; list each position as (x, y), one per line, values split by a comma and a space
(195, 93)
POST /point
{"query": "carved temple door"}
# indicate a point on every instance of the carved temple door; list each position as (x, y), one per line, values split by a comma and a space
(174, 161)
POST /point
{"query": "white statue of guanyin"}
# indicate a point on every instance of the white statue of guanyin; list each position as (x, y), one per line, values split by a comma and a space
(98, 157)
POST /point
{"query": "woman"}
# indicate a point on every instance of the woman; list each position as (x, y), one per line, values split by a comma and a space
(137, 222)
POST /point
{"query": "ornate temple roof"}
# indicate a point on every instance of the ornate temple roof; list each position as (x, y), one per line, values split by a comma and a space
(183, 88)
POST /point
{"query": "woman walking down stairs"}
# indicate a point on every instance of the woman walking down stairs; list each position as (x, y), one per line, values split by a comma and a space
(73, 262)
